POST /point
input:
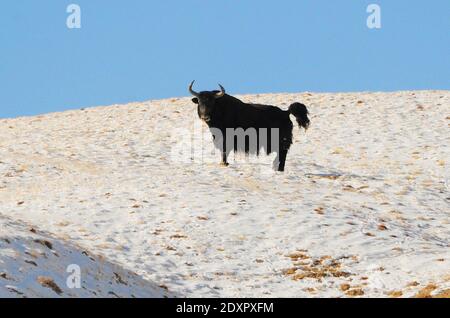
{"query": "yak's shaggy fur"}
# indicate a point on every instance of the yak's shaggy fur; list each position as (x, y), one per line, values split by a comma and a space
(221, 111)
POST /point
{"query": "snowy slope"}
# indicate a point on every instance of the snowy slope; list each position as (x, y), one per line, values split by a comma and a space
(34, 264)
(362, 209)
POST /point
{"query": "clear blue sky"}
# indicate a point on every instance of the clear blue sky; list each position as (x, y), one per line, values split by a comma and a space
(150, 49)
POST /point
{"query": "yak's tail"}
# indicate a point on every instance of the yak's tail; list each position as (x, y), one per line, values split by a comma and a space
(301, 114)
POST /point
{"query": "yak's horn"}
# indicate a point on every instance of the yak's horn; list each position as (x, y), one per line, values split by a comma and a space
(192, 91)
(221, 93)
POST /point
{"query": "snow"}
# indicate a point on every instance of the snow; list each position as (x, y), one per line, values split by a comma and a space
(35, 264)
(362, 209)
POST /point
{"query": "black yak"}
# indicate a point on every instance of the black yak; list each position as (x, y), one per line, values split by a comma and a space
(241, 127)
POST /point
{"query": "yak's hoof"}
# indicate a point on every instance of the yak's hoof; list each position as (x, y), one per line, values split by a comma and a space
(224, 164)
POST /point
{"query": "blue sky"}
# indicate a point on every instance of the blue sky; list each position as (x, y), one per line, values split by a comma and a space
(146, 49)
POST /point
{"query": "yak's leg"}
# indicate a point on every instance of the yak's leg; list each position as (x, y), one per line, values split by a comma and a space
(282, 159)
(224, 159)
(225, 153)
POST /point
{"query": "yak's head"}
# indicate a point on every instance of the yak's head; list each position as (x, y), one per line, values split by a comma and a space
(206, 102)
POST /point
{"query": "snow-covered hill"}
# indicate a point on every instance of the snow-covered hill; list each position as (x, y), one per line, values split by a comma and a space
(363, 208)
(34, 264)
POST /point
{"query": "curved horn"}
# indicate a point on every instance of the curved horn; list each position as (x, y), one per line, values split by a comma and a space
(221, 93)
(192, 91)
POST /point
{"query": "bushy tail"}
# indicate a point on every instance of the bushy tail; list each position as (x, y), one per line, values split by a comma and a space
(301, 114)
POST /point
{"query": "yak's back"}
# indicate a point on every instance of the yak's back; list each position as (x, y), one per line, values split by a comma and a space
(236, 113)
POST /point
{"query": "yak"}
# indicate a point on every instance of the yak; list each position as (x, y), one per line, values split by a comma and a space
(259, 126)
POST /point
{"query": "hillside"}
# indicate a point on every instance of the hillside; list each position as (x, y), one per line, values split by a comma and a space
(363, 208)
(35, 264)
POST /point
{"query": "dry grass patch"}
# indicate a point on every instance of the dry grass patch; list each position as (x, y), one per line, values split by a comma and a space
(395, 293)
(430, 288)
(443, 294)
(355, 292)
(426, 291)
(48, 282)
(314, 268)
